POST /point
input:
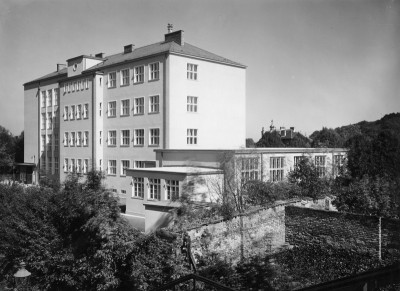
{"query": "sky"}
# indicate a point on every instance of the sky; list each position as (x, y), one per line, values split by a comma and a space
(310, 63)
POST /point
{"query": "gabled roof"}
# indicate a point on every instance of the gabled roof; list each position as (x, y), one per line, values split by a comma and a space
(55, 74)
(146, 51)
(163, 47)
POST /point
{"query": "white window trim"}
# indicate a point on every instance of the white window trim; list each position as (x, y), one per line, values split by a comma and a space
(108, 167)
(108, 137)
(134, 75)
(143, 106)
(158, 75)
(121, 138)
(158, 104)
(122, 167)
(109, 82)
(108, 108)
(122, 77)
(129, 107)
(159, 137)
(143, 138)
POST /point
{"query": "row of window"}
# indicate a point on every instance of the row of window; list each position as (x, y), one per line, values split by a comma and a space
(138, 74)
(76, 165)
(78, 138)
(78, 85)
(125, 164)
(49, 119)
(76, 112)
(47, 143)
(52, 164)
(49, 97)
(250, 169)
(138, 137)
(138, 106)
(154, 188)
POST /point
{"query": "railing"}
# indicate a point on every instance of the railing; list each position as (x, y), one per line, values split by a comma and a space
(193, 282)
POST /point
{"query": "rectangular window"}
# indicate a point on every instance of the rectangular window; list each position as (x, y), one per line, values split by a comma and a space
(298, 159)
(56, 142)
(86, 138)
(191, 71)
(124, 165)
(87, 83)
(276, 166)
(154, 71)
(138, 75)
(154, 189)
(56, 165)
(112, 109)
(172, 189)
(338, 162)
(49, 165)
(112, 80)
(139, 137)
(66, 113)
(65, 139)
(138, 187)
(43, 99)
(72, 168)
(125, 106)
(43, 163)
(154, 136)
(139, 164)
(125, 77)
(100, 164)
(249, 169)
(154, 104)
(69, 87)
(49, 142)
(86, 110)
(72, 113)
(49, 120)
(56, 96)
(112, 167)
(56, 119)
(112, 138)
(100, 136)
(78, 111)
(43, 124)
(191, 136)
(125, 137)
(320, 165)
(65, 88)
(191, 104)
(85, 166)
(74, 87)
(100, 107)
(65, 167)
(79, 165)
(72, 139)
(50, 97)
(139, 106)
(79, 138)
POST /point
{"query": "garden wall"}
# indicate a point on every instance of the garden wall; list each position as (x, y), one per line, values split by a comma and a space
(361, 233)
(243, 236)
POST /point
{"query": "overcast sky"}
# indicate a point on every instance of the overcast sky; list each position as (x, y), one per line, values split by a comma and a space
(310, 63)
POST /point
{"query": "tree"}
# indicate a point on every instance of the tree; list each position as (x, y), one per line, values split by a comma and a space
(326, 138)
(305, 176)
(19, 148)
(270, 140)
(7, 150)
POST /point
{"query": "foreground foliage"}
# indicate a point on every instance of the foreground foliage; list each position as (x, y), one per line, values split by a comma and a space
(76, 239)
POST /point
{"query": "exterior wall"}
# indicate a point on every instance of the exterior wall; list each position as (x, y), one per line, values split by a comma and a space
(78, 97)
(220, 118)
(195, 158)
(31, 124)
(157, 217)
(145, 121)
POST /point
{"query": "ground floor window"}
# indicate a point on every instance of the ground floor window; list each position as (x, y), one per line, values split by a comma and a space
(249, 169)
(172, 189)
(138, 187)
(320, 165)
(277, 165)
(155, 189)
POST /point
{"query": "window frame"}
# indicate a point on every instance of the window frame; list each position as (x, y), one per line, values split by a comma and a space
(138, 77)
(85, 111)
(127, 138)
(154, 104)
(154, 190)
(192, 71)
(138, 187)
(154, 137)
(125, 78)
(109, 138)
(250, 169)
(191, 136)
(154, 73)
(277, 168)
(124, 107)
(172, 185)
(112, 83)
(137, 106)
(320, 167)
(109, 109)
(109, 167)
(123, 170)
(192, 104)
(137, 137)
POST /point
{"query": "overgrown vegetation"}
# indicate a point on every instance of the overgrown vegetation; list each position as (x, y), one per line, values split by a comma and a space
(76, 239)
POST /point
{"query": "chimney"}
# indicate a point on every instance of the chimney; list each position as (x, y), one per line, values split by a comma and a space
(292, 128)
(128, 48)
(170, 27)
(60, 67)
(99, 55)
(176, 36)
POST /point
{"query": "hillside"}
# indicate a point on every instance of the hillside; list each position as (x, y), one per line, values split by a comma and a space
(340, 136)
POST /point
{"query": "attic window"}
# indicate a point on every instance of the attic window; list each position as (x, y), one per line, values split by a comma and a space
(74, 67)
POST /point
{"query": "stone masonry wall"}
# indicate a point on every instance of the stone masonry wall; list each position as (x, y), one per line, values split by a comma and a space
(305, 226)
(245, 235)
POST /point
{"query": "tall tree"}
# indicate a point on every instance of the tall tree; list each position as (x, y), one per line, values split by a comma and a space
(7, 150)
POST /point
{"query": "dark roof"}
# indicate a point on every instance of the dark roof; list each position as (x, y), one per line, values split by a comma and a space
(50, 76)
(146, 51)
(163, 47)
